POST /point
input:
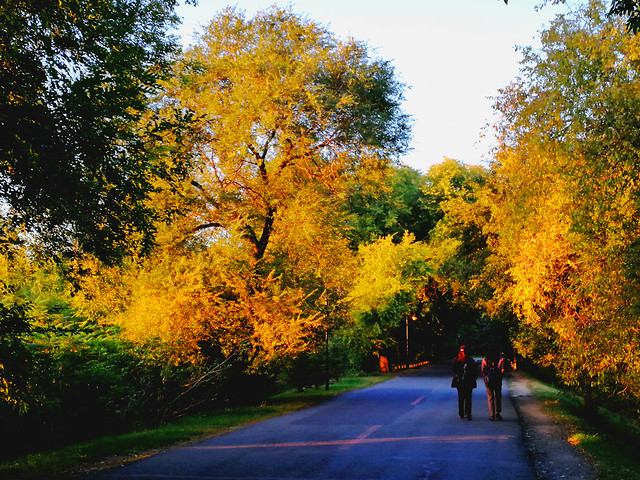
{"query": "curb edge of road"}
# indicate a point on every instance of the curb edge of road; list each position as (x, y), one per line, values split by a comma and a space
(552, 456)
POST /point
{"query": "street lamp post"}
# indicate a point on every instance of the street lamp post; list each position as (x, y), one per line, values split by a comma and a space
(414, 318)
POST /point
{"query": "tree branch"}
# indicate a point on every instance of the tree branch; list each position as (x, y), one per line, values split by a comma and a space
(204, 226)
(204, 193)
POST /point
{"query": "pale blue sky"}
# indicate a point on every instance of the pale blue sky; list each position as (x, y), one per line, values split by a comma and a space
(453, 54)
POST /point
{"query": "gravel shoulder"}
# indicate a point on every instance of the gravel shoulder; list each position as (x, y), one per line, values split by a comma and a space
(553, 457)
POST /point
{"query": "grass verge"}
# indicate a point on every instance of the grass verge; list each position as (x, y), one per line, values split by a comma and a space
(610, 440)
(110, 451)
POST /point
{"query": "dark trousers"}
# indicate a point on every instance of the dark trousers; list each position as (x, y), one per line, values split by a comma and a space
(494, 397)
(464, 401)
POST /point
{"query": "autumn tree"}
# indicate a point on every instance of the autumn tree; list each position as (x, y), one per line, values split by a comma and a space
(286, 117)
(78, 148)
(285, 110)
(566, 201)
(389, 286)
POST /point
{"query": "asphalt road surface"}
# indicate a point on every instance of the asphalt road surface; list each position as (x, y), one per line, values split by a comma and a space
(406, 428)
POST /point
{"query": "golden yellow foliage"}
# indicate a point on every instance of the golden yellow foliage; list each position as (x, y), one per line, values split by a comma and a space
(565, 202)
(386, 269)
(188, 300)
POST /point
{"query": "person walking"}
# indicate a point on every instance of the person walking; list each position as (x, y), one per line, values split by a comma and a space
(465, 373)
(492, 371)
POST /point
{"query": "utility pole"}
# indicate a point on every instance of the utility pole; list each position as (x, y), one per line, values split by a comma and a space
(326, 359)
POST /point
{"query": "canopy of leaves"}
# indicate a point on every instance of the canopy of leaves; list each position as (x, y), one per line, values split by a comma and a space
(567, 199)
(285, 111)
(388, 269)
(285, 117)
(75, 79)
(455, 194)
(389, 206)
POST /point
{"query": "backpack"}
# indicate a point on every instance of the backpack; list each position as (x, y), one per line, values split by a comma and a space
(470, 373)
(492, 374)
(492, 377)
(465, 374)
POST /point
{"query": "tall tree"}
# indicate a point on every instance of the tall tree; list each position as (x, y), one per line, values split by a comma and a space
(76, 78)
(286, 117)
(567, 201)
(285, 110)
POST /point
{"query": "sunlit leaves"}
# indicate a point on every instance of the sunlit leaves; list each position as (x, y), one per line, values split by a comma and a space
(387, 269)
(566, 199)
(286, 118)
(282, 106)
(458, 244)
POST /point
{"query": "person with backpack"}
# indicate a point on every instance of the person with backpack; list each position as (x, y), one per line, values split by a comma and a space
(493, 370)
(465, 373)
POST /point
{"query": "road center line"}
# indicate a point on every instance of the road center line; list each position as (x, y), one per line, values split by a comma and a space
(418, 400)
(369, 431)
(362, 436)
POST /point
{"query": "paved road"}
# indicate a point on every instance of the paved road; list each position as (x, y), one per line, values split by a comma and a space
(405, 428)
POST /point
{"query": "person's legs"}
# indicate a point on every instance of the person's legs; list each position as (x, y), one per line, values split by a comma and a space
(467, 406)
(491, 400)
(499, 402)
(461, 402)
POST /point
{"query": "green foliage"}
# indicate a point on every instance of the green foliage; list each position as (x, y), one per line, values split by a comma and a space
(629, 9)
(63, 377)
(16, 360)
(78, 151)
(391, 207)
(442, 280)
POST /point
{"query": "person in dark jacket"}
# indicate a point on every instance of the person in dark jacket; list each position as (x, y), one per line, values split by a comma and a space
(465, 373)
(493, 370)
